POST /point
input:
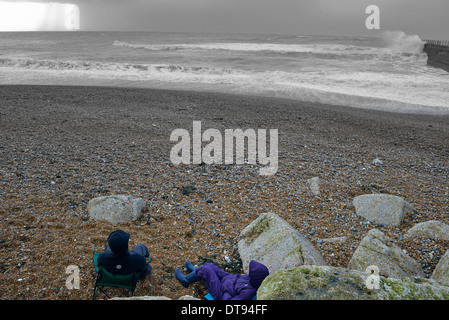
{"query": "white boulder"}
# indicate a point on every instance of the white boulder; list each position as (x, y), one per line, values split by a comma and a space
(116, 209)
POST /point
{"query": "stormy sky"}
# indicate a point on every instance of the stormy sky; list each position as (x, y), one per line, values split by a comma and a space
(426, 18)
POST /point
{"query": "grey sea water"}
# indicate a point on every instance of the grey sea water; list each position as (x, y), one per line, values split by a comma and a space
(387, 72)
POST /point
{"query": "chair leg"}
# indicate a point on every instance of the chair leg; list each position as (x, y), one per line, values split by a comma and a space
(129, 292)
(105, 294)
(96, 288)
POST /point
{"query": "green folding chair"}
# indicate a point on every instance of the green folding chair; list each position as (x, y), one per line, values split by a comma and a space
(105, 281)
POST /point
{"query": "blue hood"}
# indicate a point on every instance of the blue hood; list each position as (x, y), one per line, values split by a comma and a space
(118, 242)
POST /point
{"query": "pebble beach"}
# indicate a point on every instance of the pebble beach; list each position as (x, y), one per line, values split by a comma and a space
(63, 146)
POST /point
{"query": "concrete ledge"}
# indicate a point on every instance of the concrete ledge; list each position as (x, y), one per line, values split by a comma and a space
(438, 56)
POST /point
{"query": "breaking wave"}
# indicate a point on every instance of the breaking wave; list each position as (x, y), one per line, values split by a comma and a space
(396, 42)
(252, 47)
(399, 42)
(106, 66)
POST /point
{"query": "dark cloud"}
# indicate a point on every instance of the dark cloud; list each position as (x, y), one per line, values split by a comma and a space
(425, 18)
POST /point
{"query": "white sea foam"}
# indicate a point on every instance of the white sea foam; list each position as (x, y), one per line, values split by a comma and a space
(257, 47)
(399, 42)
(66, 65)
(352, 88)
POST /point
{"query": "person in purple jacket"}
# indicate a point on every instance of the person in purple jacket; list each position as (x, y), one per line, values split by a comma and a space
(222, 285)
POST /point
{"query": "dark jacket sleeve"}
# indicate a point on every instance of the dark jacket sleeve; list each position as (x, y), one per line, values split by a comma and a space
(137, 262)
(105, 259)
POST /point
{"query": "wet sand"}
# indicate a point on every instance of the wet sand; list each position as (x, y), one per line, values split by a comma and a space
(62, 146)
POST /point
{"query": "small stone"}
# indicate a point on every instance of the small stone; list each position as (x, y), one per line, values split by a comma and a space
(314, 185)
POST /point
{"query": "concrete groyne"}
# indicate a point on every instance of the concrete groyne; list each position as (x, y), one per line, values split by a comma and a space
(437, 53)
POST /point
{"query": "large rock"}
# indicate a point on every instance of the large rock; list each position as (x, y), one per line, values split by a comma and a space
(382, 209)
(377, 249)
(116, 208)
(441, 271)
(274, 242)
(335, 283)
(429, 229)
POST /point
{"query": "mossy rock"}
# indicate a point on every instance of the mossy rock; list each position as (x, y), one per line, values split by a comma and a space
(379, 250)
(274, 242)
(335, 283)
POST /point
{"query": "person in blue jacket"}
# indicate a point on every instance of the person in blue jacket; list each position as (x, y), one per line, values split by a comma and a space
(222, 285)
(117, 259)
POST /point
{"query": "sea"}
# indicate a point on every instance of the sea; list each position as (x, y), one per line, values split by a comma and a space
(388, 71)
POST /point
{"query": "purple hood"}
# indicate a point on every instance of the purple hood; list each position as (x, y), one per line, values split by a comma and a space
(257, 273)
